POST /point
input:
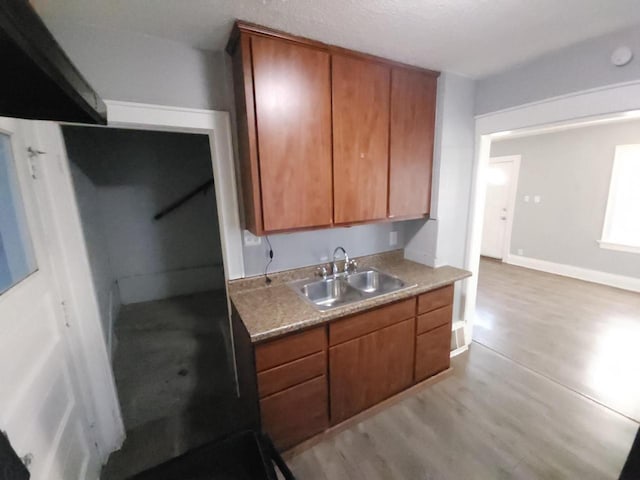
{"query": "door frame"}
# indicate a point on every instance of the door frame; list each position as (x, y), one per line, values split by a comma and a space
(606, 103)
(217, 126)
(511, 199)
(70, 255)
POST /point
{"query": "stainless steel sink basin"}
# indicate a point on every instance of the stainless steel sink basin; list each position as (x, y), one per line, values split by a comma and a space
(342, 290)
(373, 281)
(328, 293)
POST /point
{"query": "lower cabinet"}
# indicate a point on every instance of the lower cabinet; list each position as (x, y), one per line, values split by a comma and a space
(369, 369)
(297, 413)
(322, 376)
(292, 385)
(433, 352)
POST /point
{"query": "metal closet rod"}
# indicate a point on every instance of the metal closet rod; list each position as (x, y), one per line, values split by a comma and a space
(182, 200)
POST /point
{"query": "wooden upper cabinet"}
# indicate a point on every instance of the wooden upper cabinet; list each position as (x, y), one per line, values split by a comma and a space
(360, 139)
(328, 136)
(413, 108)
(293, 116)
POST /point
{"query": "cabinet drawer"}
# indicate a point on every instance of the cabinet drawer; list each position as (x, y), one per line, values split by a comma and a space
(297, 413)
(435, 299)
(290, 374)
(433, 352)
(363, 323)
(429, 321)
(292, 347)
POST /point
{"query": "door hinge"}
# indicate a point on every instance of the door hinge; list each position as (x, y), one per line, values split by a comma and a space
(32, 154)
(65, 312)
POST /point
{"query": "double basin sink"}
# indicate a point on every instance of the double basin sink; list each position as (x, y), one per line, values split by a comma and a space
(343, 289)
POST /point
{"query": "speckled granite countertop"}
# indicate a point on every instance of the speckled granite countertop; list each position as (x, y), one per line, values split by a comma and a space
(272, 310)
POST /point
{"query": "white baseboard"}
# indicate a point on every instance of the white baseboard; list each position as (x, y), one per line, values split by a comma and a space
(155, 286)
(458, 351)
(618, 281)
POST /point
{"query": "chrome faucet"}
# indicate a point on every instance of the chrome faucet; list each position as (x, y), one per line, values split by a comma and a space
(346, 261)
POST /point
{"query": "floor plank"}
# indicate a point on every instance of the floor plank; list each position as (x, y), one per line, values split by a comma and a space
(491, 419)
(580, 334)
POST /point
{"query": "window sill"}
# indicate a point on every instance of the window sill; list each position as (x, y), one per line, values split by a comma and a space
(619, 247)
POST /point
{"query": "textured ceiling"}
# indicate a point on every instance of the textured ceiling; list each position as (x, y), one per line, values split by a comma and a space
(469, 37)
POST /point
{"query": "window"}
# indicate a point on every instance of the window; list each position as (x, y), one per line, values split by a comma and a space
(622, 219)
(17, 260)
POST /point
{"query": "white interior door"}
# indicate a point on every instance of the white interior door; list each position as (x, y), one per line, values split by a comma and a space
(501, 181)
(40, 407)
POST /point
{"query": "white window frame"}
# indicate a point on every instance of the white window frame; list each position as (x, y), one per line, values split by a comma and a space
(606, 242)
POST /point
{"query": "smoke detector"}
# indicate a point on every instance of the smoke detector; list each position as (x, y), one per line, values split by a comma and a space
(621, 56)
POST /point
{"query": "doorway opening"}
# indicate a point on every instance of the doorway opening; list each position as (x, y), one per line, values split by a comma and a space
(502, 185)
(149, 217)
(558, 296)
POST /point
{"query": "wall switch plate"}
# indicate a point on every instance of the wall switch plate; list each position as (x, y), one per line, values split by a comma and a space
(536, 199)
(250, 240)
(393, 238)
(526, 198)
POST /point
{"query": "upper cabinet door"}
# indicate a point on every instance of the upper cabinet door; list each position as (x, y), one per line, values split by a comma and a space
(413, 107)
(360, 139)
(292, 87)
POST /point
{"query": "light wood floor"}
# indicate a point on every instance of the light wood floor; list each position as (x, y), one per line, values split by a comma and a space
(519, 407)
(491, 419)
(583, 335)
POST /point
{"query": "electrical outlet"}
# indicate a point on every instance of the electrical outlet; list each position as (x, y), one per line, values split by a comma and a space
(393, 238)
(250, 240)
(526, 198)
(536, 199)
(520, 251)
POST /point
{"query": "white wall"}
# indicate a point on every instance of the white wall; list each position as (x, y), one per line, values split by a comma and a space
(129, 66)
(137, 174)
(104, 279)
(579, 67)
(570, 171)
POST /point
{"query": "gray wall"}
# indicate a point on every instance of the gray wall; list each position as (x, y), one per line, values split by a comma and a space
(140, 68)
(579, 67)
(293, 250)
(135, 175)
(133, 67)
(571, 171)
(443, 241)
(104, 279)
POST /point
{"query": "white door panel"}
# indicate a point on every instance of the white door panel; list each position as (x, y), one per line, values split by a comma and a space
(39, 406)
(500, 180)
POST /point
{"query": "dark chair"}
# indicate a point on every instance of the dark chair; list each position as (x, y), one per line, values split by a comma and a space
(242, 456)
(631, 470)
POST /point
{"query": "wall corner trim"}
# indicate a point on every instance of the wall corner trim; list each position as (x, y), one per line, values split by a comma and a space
(631, 284)
(421, 257)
